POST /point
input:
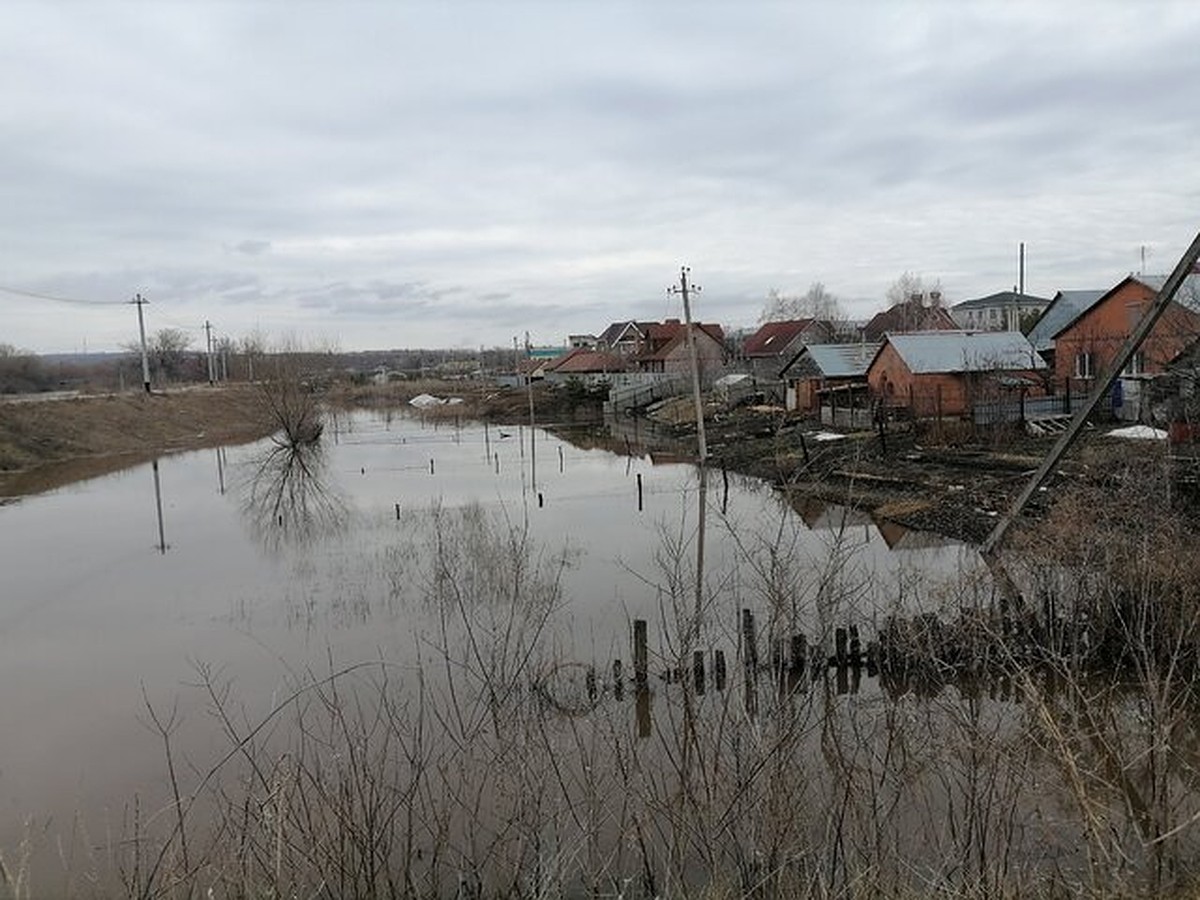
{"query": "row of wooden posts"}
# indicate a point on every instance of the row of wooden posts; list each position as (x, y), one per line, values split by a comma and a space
(905, 657)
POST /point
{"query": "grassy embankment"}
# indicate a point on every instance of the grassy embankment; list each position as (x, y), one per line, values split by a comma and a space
(48, 442)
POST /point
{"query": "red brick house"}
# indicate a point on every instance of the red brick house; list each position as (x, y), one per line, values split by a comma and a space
(1085, 348)
(665, 348)
(945, 373)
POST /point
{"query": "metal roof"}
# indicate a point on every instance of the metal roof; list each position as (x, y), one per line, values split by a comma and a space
(928, 352)
(1001, 299)
(841, 360)
(1065, 308)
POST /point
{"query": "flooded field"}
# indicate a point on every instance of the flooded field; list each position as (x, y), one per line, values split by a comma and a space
(401, 662)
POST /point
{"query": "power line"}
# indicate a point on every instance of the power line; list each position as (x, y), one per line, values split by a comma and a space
(73, 300)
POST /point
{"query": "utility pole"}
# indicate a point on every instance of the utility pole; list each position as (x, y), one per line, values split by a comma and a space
(685, 291)
(212, 376)
(532, 435)
(141, 301)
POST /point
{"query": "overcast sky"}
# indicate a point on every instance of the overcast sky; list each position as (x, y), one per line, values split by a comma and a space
(399, 174)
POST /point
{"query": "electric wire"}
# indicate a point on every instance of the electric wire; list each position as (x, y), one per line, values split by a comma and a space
(72, 300)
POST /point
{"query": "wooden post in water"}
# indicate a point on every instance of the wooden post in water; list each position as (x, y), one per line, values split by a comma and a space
(839, 648)
(640, 653)
(431, 466)
(724, 489)
(639, 489)
(397, 512)
(561, 463)
(497, 462)
(799, 653)
(749, 641)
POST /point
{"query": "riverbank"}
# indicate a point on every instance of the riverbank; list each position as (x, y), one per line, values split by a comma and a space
(45, 442)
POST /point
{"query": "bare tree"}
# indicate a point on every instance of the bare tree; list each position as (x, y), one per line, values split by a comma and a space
(167, 349)
(815, 303)
(912, 284)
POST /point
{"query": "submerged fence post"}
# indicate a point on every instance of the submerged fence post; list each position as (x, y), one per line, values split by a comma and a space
(639, 489)
(640, 653)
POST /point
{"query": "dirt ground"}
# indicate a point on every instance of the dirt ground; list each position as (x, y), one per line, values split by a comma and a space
(49, 441)
(953, 484)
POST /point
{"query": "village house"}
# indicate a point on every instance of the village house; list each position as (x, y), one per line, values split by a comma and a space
(623, 337)
(587, 366)
(1086, 347)
(1004, 311)
(945, 373)
(1065, 307)
(770, 348)
(664, 348)
(828, 375)
(918, 313)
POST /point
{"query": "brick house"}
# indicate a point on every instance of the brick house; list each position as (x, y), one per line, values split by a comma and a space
(665, 348)
(945, 373)
(1087, 346)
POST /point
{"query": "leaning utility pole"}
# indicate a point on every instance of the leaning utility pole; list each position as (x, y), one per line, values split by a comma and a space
(212, 377)
(141, 301)
(1184, 268)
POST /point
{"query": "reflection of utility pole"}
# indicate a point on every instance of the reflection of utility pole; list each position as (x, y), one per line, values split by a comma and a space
(162, 540)
(141, 301)
(212, 376)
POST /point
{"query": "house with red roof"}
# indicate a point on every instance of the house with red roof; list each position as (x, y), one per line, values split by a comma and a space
(914, 314)
(665, 348)
(586, 365)
(770, 348)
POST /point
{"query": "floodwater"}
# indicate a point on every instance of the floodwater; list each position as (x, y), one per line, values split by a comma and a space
(118, 591)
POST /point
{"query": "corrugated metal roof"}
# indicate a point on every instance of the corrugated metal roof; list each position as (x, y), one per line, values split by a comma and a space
(1065, 308)
(841, 360)
(929, 352)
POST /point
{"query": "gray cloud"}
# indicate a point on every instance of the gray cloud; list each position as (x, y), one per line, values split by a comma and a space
(343, 171)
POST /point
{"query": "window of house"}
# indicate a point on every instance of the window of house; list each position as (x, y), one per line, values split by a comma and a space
(1136, 364)
(992, 314)
(1085, 365)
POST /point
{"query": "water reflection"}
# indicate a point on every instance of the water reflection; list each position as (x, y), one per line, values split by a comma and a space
(287, 497)
(162, 539)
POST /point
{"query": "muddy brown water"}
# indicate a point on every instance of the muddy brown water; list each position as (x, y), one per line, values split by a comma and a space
(105, 605)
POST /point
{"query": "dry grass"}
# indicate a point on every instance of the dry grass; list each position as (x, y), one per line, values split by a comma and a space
(36, 433)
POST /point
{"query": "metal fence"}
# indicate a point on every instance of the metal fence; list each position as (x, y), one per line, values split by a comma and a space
(995, 412)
